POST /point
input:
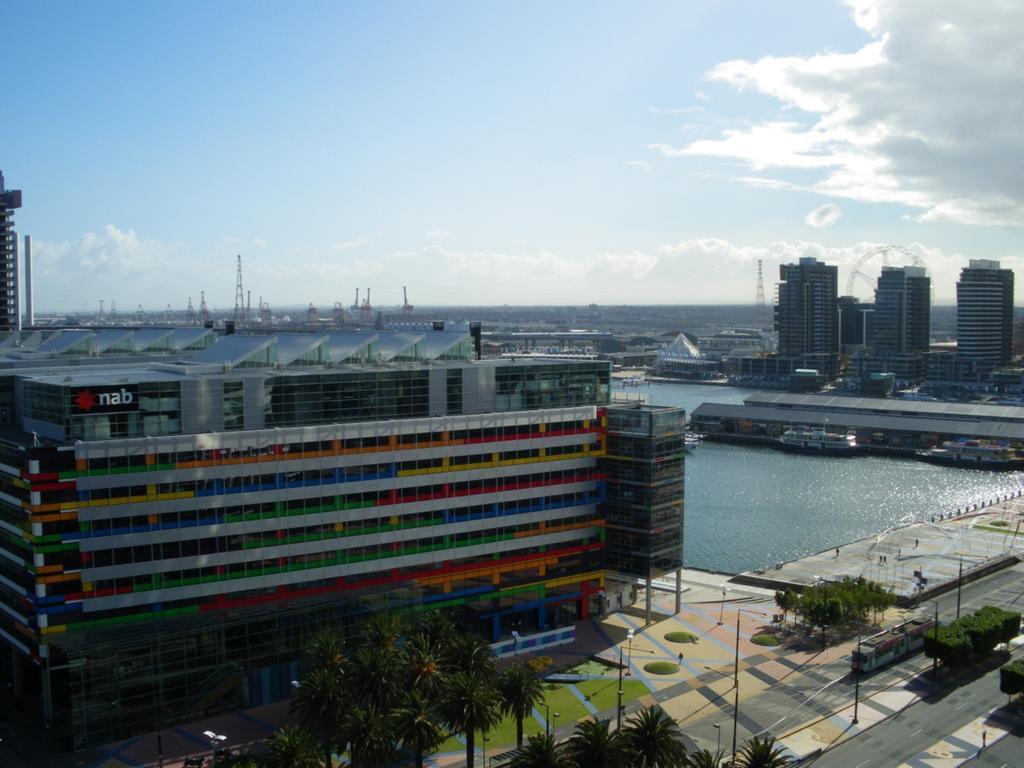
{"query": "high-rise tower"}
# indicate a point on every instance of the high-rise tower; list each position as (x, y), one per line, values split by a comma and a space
(984, 313)
(9, 200)
(902, 321)
(806, 317)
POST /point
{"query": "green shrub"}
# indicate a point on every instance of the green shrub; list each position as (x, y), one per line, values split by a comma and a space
(765, 638)
(681, 637)
(982, 629)
(1009, 622)
(1011, 677)
(661, 667)
(949, 644)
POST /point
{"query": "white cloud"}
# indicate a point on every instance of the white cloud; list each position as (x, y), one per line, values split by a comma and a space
(640, 165)
(439, 234)
(824, 216)
(929, 114)
(76, 274)
(349, 245)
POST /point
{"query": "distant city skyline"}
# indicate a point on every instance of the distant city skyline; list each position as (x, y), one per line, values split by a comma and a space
(499, 154)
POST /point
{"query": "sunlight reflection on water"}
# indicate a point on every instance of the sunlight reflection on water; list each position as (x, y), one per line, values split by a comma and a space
(750, 507)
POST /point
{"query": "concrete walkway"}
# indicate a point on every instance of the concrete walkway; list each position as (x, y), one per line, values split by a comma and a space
(974, 538)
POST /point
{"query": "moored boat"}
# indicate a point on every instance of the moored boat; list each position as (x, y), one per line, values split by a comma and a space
(819, 441)
(974, 454)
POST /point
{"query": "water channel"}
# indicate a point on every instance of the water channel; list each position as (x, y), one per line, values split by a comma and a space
(749, 507)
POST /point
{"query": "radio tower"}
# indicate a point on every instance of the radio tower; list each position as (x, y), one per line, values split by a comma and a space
(239, 294)
(190, 313)
(759, 308)
(204, 312)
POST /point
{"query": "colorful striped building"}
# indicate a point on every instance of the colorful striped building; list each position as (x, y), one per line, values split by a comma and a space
(173, 530)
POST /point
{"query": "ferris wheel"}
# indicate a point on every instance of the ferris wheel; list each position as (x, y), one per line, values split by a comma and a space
(881, 254)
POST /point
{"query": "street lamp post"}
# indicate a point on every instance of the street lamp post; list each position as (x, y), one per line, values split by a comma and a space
(618, 711)
(718, 733)
(721, 611)
(935, 636)
(736, 681)
(959, 583)
(629, 637)
(486, 739)
(856, 684)
(548, 714)
(216, 742)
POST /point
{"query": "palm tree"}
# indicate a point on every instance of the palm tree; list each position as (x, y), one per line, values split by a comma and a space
(375, 677)
(521, 690)
(471, 704)
(327, 651)
(594, 744)
(762, 753)
(654, 739)
(418, 721)
(423, 663)
(541, 751)
(438, 628)
(472, 655)
(381, 631)
(371, 736)
(704, 758)
(321, 702)
(290, 747)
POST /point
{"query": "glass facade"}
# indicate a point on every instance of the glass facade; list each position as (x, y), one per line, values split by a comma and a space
(178, 575)
(644, 463)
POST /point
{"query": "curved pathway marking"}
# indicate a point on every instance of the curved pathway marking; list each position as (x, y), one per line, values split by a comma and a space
(583, 699)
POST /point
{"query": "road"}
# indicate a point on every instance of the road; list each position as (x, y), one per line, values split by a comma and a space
(926, 724)
(829, 688)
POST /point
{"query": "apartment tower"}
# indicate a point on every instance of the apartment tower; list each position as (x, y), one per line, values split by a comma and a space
(984, 313)
(902, 318)
(806, 316)
(9, 200)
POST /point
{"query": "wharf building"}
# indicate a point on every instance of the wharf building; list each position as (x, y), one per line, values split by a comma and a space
(883, 425)
(180, 512)
(10, 199)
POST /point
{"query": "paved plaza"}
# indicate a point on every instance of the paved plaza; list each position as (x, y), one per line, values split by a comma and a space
(973, 537)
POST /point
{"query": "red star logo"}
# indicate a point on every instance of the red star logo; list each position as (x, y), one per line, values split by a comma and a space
(85, 400)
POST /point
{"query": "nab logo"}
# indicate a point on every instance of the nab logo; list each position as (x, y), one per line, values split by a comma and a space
(86, 399)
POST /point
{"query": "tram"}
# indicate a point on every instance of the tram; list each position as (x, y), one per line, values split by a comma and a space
(890, 645)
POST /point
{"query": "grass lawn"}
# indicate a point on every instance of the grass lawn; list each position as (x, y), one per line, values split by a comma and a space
(561, 700)
(603, 693)
(993, 529)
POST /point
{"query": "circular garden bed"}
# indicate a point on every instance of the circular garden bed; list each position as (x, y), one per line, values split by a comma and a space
(681, 637)
(765, 638)
(661, 667)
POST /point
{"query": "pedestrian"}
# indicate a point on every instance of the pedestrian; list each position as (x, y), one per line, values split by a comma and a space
(899, 553)
(984, 737)
(837, 551)
(680, 657)
(915, 543)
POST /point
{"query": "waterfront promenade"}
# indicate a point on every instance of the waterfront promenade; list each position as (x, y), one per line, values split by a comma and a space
(915, 561)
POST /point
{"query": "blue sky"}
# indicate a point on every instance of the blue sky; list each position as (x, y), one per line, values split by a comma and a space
(521, 153)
